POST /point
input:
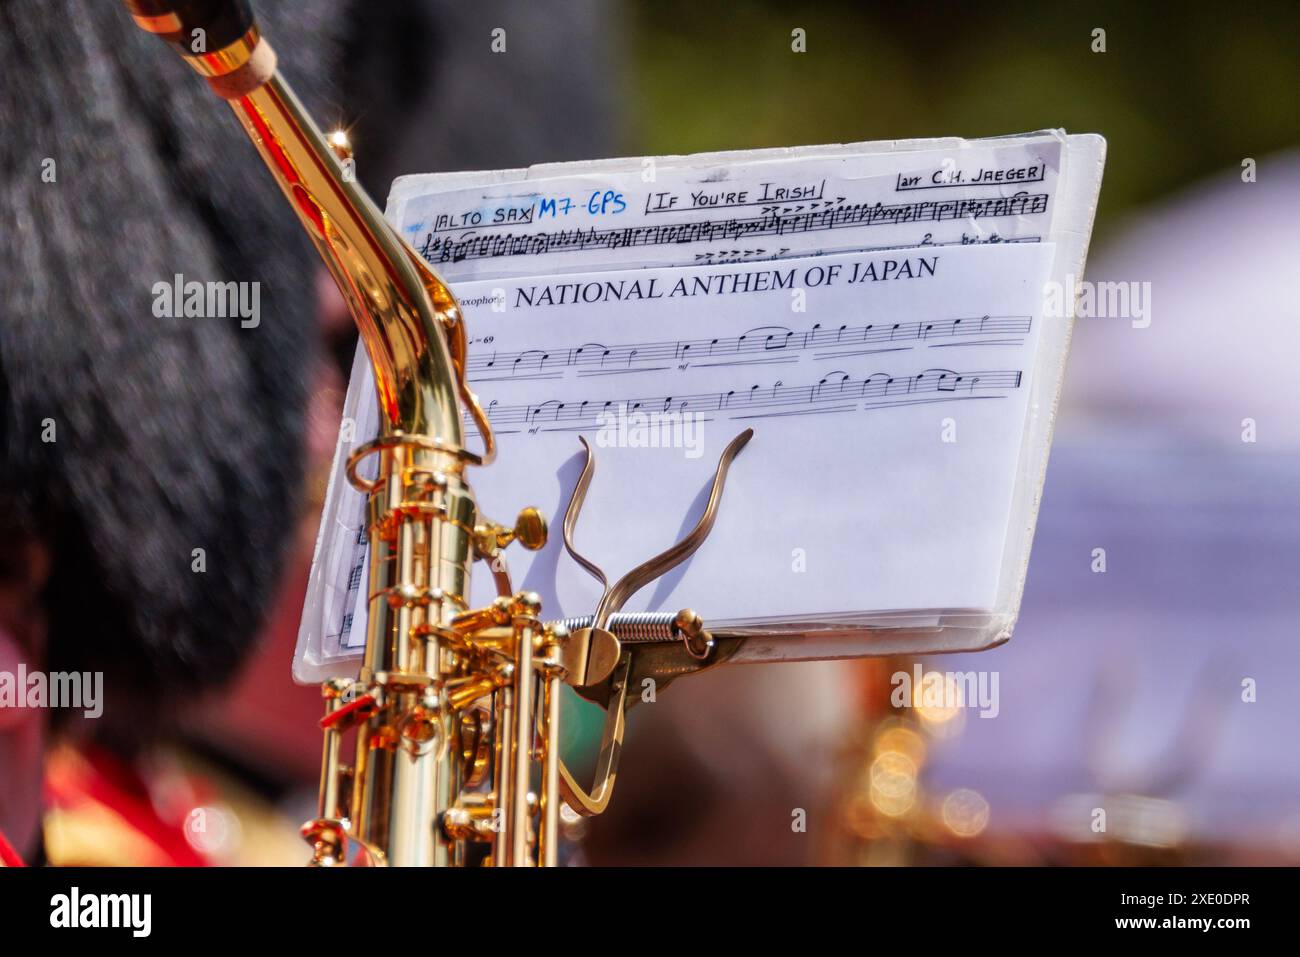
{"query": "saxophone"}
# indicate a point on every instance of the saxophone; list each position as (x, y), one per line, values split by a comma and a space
(455, 711)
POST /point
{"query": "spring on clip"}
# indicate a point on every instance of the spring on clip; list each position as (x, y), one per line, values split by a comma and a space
(634, 627)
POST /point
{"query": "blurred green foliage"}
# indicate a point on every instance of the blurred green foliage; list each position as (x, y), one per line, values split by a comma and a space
(1182, 91)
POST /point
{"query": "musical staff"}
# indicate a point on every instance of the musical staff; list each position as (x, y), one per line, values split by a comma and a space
(758, 342)
(441, 249)
(835, 389)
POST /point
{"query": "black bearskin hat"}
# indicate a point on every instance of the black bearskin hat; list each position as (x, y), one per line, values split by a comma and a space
(121, 170)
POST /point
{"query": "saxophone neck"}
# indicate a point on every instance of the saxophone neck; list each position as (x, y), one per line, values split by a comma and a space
(404, 312)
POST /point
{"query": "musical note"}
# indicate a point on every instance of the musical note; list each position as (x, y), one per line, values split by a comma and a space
(529, 355)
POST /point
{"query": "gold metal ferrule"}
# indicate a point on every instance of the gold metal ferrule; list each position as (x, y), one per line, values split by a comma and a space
(237, 69)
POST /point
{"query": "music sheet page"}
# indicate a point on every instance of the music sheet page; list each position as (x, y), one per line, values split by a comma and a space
(873, 316)
(887, 396)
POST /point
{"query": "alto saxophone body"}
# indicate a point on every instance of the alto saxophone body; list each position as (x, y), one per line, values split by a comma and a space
(449, 702)
(455, 711)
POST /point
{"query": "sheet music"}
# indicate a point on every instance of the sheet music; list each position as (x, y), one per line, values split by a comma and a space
(722, 213)
(744, 357)
(903, 410)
